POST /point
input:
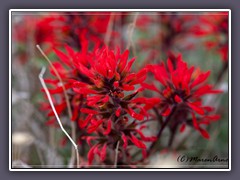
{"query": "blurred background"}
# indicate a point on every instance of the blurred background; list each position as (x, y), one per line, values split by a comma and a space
(201, 37)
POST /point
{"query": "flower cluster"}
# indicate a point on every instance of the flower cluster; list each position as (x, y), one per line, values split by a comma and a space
(104, 98)
(108, 101)
(113, 106)
(105, 103)
(182, 91)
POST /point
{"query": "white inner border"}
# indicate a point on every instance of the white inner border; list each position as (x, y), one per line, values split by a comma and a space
(116, 10)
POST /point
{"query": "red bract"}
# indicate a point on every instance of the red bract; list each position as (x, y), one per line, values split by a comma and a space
(183, 87)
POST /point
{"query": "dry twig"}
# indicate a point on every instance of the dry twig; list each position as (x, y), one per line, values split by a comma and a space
(55, 113)
(116, 155)
(73, 127)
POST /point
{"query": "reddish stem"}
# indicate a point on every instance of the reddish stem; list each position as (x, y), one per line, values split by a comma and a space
(150, 150)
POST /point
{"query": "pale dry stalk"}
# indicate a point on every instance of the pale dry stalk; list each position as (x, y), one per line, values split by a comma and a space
(73, 127)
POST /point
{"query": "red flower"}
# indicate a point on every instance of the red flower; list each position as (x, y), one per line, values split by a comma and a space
(183, 87)
(108, 78)
(103, 96)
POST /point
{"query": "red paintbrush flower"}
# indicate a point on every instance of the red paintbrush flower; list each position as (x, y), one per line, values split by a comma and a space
(108, 80)
(103, 91)
(183, 87)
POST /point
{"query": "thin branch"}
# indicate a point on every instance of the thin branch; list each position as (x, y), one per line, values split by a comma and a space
(160, 131)
(73, 127)
(221, 73)
(55, 113)
(172, 136)
(158, 115)
(116, 155)
(146, 121)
